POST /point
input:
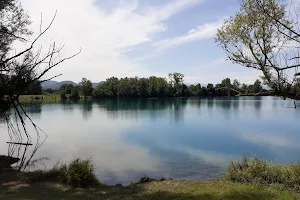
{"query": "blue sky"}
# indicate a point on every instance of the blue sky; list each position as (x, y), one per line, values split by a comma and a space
(139, 38)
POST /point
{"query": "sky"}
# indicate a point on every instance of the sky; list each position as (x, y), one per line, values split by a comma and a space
(128, 38)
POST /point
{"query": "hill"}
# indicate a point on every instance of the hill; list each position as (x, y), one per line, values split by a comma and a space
(57, 84)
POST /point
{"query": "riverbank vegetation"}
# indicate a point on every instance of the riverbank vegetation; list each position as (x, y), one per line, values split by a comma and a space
(67, 181)
(259, 171)
(78, 173)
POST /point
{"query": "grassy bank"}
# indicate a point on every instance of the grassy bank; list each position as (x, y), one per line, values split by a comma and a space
(256, 170)
(244, 180)
(44, 98)
(164, 190)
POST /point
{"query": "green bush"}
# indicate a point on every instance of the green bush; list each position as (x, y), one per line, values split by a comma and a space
(259, 171)
(78, 173)
(145, 179)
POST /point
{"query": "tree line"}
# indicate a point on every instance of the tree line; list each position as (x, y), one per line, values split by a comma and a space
(153, 87)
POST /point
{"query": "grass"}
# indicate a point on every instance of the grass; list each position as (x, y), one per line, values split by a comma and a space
(259, 171)
(78, 173)
(46, 98)
(248, 179)
(164, 190)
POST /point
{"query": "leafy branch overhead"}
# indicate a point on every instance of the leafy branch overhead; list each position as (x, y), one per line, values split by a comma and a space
(265, 35)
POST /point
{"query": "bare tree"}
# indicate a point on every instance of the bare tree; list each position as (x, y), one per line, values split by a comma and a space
(20, 69)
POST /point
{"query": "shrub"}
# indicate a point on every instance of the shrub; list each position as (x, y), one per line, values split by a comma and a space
(259, 171)
(145, 179)
(78, 173)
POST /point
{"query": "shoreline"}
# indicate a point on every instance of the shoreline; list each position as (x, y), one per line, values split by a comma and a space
(249, 178)
(151, 190)
(56, 97)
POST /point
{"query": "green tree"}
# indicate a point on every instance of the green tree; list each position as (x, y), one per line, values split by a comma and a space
(86, 87)
(62, 94)
(101, 91)
(143, 85)
(49, 91)
(258, 37)
(236, 84)
(257, 87)
(176, 83)
(244, 88)
(112, 85)
(152, 86)
(211, 90)
(195, 90)
(34, 88)
(124, 87)
(67, 88)
(161, 87)
(75, 92)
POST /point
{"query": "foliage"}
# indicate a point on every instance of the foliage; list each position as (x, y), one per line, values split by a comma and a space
(262, 36)
(86, 87)
(49, 91)
(43, 97)
(34, 88)
(78, 173)
(259, 171)
(162, 190)
(63, 95)
(160, 87)
(67, 88)
(145, 179)
(75, 93)
(69, 91)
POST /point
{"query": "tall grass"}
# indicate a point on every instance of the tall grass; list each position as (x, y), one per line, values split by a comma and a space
(259, 171)
(77, 173)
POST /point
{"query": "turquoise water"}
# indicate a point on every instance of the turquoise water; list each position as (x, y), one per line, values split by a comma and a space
(172, 138)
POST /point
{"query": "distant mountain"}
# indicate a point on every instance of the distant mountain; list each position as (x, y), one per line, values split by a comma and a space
(96, 84)
(47, 83)
(55, 84)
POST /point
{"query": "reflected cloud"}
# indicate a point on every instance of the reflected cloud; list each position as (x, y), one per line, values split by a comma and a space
(270, 140)
(188, 138)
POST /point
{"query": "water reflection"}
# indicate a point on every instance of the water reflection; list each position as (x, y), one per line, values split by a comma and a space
(188, 138)
(24, 136)
(137, 108)
(87, 108)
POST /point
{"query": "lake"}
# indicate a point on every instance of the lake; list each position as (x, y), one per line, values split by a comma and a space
(185, 138)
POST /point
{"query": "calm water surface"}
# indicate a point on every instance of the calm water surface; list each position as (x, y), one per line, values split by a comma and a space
(172, 138)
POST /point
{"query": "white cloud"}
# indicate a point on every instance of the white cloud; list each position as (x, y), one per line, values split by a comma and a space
(103, 36)
(201, 32)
